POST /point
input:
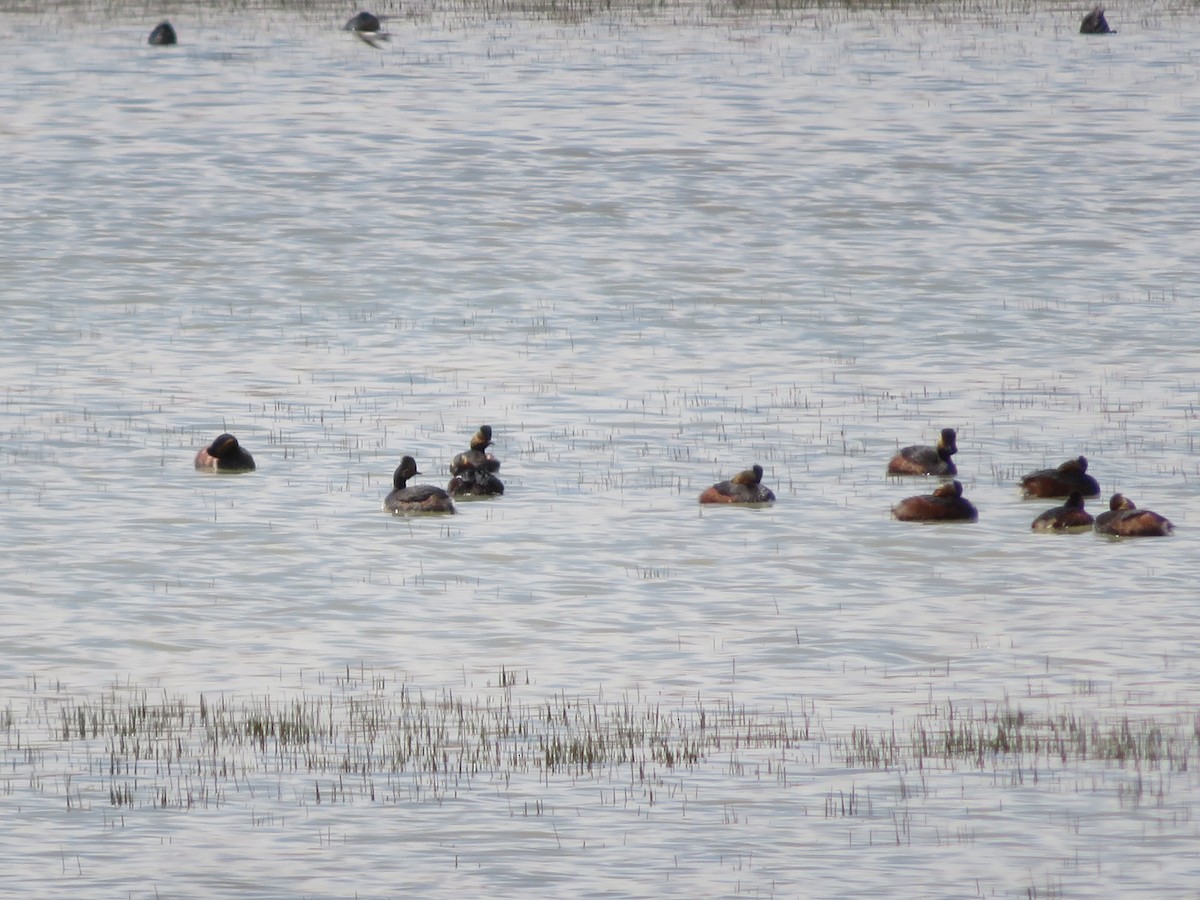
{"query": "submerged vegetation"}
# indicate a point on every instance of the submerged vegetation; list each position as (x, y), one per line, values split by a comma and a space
(361, 739)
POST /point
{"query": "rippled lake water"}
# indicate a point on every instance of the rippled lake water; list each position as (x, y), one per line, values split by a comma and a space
(650, 246)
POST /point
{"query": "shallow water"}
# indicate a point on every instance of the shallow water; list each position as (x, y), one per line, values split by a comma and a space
(650, 247)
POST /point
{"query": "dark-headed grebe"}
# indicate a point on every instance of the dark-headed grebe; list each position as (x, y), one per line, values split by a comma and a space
(420, 498)
(921, 460)
(946, 504)
(1123, 519)
(744, 487)
(1095, 23)
(1071, 516)
(163, 35)
(1070, 476)
(226, 455)
(364, 21)
(478, 484)
(475, 470)
(367, 28)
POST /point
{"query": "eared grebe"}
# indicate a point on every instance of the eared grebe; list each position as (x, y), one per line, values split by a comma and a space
(364, 21)
(922, 460)
(163, 35)
(1071, 516)
(744, 487)
(477, 484)
(367, 27)
(475, 470)
(1095, 23)
(420, 498)
(1123, 519)
(946, 504)
(226, 455)
(477, 457)
(1070, 476)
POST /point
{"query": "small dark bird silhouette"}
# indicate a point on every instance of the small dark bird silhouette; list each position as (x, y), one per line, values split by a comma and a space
(367, 28)
(225, 454)
(1095, 23)
(163, 35)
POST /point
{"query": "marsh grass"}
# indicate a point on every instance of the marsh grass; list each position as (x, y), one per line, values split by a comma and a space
(949, 738)
(365, 740)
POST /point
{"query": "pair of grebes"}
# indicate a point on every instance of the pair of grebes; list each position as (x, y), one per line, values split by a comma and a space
(368, 28)
(947, 503)
(473, 474)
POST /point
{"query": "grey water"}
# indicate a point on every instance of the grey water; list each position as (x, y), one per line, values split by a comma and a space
(650, 245)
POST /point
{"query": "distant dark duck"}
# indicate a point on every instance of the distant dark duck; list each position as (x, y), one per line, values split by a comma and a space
(1123, 519)
(226, 455)
(1070, 476)
(1071, 516)
(946, 504)
(920, 460)
(364, 21)
(366, 27)
(1095, 23)
(475, 470)
(420, 498)
(744, 487)
(163, 35)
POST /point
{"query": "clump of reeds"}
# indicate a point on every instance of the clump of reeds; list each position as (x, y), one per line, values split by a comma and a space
(173, 751)
(950, 737)
(361, 739)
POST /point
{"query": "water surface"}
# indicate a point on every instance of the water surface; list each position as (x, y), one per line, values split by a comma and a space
(650, 247)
